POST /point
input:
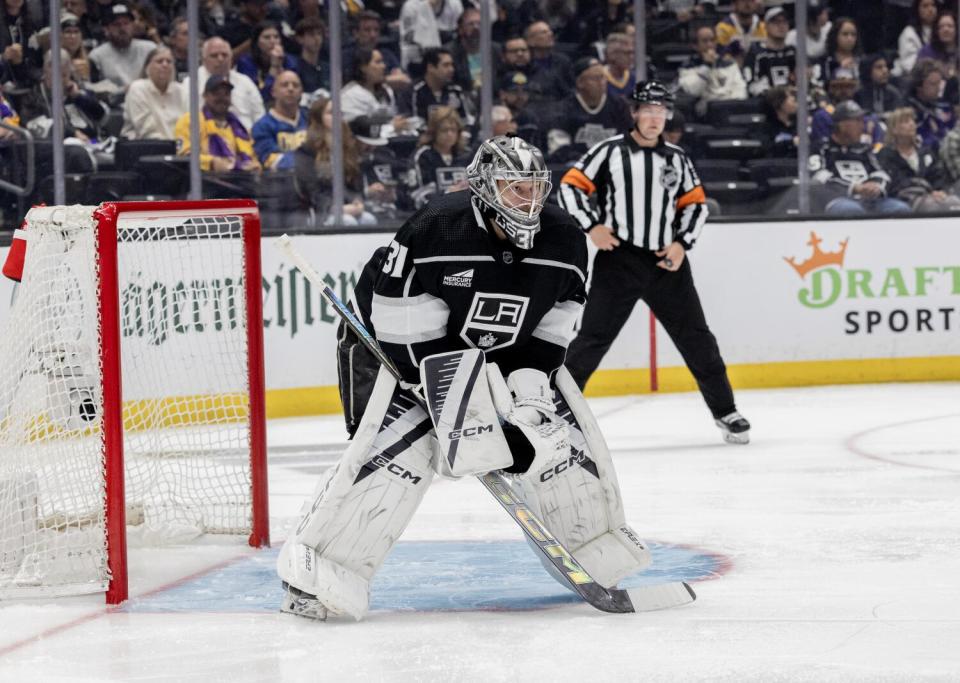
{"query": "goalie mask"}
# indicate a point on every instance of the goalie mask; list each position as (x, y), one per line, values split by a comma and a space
(510, 183)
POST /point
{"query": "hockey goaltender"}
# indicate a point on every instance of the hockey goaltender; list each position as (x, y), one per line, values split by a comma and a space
(493, 269)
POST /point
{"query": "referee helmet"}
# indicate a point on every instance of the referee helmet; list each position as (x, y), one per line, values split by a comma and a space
(510, 182)
(654, 92)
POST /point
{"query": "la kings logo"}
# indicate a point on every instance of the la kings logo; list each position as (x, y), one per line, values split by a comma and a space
(494, 320)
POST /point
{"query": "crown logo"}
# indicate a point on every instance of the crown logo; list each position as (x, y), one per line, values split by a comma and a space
(819, 258)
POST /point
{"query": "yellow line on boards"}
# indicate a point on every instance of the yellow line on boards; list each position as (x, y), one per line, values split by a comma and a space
(786, 374)
(325, 400)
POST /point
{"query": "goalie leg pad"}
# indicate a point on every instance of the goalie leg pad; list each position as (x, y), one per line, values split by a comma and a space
(363, 504)
(579, 498)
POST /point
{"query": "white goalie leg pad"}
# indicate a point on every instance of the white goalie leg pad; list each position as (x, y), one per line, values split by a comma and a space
(470, 440)
(363, 504)
(579, 498)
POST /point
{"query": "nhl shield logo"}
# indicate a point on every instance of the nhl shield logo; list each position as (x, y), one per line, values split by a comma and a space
(494, 320)
(669, 177)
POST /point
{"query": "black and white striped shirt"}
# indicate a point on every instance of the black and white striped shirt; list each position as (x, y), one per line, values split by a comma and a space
(649, 196)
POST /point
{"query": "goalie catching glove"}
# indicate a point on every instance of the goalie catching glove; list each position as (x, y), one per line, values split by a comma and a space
(525, 400)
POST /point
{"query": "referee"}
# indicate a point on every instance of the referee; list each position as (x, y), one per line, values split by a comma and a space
(640, 201)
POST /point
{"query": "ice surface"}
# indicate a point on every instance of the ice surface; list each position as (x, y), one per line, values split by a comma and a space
(827, 550)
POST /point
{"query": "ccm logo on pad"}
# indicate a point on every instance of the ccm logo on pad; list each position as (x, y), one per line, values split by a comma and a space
(467, 432)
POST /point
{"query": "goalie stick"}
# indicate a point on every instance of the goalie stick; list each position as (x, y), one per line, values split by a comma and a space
(618, 600)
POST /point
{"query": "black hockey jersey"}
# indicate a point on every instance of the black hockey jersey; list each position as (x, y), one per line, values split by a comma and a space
(448, 283)
(842, 167)
(425, 101)
(765, 67)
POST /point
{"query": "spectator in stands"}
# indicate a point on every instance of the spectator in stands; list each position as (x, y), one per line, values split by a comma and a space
(781, 102)
(740, 29)
(213, 17)
(710, 76)
(550, 71)
(266, 59)
(587, 116)
(770, 62)
(849, 179)
(145, 23)
(366, 34)
(842, 87)
(71, 37)
(225, 143)
(313, 170)
(915, 35)
(437, 88)
(420, 31)
(600, 19)
(916, 176)
(367, 95)
(818, 28)
(950, 159)
(942, 47)
(685, 11)
(516, 55)
(91, 30)
(465, 49)
(383, 192)
(619, 68)
(504, 122)
(313, 66)
(562, 15)
(179, 42)
(440, 151)
(935, 116)
(674, 130)
(8, 116)
(120, 60)
(512, 93)
(239, 27)
(284, 127)
(83, 113)
(876, 94)
(246, 102)
(16, 31)
(843, 50)
(154, 102)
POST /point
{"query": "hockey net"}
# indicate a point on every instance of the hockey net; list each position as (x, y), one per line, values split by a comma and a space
(131, 390)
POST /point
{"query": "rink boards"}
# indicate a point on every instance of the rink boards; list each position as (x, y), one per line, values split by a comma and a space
(791, 303)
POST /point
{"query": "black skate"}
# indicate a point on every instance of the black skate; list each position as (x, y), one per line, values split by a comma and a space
(295, 601)
(735, 428)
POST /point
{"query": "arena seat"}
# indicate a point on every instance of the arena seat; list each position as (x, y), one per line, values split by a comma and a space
(128, 152)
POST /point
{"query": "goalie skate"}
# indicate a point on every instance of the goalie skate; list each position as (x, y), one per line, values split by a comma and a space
(301, 604)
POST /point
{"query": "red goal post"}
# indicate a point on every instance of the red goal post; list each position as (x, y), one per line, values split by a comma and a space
(138, 341)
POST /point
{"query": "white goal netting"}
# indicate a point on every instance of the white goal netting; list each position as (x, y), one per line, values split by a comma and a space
(186, 409)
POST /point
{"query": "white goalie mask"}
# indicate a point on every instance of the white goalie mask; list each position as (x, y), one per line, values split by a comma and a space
(511, 181)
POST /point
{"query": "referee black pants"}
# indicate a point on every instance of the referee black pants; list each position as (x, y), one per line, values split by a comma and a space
(622, 276)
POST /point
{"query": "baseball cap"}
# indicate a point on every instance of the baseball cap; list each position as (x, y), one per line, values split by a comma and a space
(118, 11)
(846, 111)
(844, 74)
(215, 82)
(514, 80)
(583, 64)
(68, 20)
(774, 12)
(367, 133)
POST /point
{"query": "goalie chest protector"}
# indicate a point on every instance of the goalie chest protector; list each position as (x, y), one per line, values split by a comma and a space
(498, 296)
